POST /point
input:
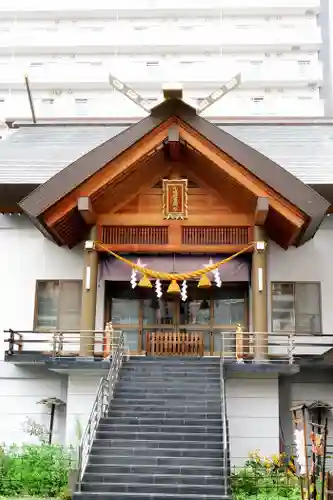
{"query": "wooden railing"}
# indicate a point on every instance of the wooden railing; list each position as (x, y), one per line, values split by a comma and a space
(174, 344)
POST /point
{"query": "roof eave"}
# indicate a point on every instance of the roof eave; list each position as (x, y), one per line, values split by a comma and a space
(47, 194)
(309, 202)
(311, 229)
(43, 229)
(312, 204)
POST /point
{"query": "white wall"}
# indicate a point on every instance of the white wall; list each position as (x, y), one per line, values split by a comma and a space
(253, 412)
(80, 397)
(310, 262)
(21, 390)
(26, 256)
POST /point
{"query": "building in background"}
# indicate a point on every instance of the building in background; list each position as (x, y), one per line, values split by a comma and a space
(67, 48)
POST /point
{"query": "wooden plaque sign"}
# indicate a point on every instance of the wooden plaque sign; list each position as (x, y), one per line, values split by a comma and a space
(175, 198)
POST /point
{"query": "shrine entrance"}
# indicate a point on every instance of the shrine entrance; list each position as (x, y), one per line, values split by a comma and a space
(170, 326)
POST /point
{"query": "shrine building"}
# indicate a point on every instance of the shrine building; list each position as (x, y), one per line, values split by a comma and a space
(186, 238)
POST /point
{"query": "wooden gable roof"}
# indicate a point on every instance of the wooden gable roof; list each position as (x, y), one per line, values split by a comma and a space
(53, 205)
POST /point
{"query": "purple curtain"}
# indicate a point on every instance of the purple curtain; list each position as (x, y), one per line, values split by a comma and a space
(113, 269)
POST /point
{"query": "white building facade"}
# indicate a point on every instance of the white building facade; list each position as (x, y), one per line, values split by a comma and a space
(44, 264)
(68, 49)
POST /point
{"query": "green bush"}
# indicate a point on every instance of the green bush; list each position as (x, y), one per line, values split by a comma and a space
(265, 478)
(35, 470)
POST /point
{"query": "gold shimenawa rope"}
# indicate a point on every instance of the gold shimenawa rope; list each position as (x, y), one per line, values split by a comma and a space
(176, 276)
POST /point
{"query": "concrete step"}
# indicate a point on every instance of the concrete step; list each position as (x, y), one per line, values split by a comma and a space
(129, 461)
(172, 381)
(193, 369)
(214, 360)
(166, 396)
(171, 374)
(207, 468)
(136, 404)
(156, 452)
(106, 444)
(154, 479)
(146, 420)
(156, 413)
(175, 361)
(159, 435)
(164, 428)
(145, 496)
(153, 488)
(160, 378)
(127, 387)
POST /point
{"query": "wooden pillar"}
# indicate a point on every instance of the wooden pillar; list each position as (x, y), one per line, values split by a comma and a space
(89, 296)
(259, 294)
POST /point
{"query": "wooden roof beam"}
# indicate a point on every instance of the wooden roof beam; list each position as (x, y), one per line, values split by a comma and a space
(239, 174)
(172, 145)
(261, 212)
(86, 211)
(127, 159)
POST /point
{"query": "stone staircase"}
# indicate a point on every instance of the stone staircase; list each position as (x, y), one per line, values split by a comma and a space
(162, 438)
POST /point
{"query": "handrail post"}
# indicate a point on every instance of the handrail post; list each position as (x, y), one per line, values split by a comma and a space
(239, 344)
(54, 344)
(291, 347)
(11, 342)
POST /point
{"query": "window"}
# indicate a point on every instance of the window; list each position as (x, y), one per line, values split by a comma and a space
(58, 305)
(257, 99)
(47, 102)
(81, 106)
(296, 308)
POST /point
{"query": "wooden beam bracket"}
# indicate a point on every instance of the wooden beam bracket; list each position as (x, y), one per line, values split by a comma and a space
(85, 208)
(261, 212)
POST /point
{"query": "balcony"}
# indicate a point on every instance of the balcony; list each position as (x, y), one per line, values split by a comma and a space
(208, 75)
(262, 106)
(59, 346)
(238, 346)
(128, 41)
(114, 105)
(151, 8)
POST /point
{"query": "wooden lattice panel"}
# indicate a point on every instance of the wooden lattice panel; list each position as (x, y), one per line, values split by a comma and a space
(215, 235)
(175, 344)
(135, 235)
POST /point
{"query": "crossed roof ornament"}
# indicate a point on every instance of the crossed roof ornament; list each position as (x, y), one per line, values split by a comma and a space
(175, 89)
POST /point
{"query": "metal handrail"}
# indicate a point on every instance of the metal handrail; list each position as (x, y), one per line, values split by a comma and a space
(103, 398)
(241, 345)
(225, 425)
(61, 343)
(245, 346)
